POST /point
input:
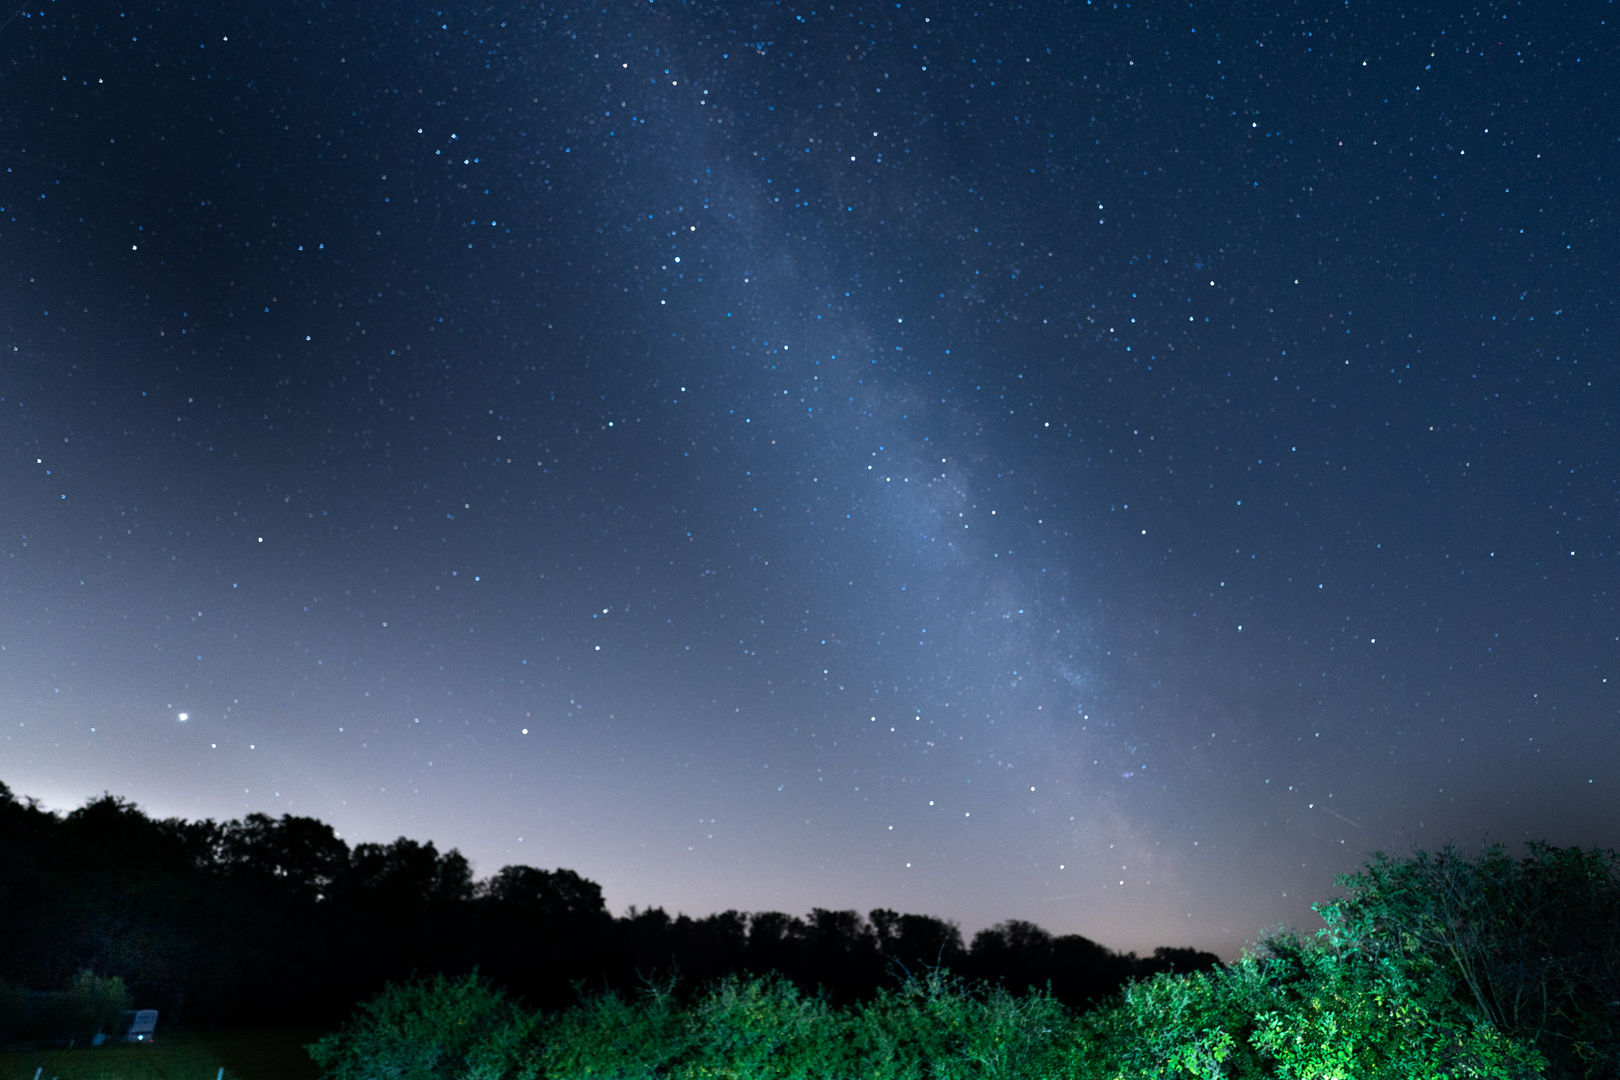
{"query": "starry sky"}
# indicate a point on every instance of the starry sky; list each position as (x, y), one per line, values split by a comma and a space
(1112, 465)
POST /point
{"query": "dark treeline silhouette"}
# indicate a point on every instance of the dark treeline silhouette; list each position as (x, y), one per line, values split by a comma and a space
(278, 920)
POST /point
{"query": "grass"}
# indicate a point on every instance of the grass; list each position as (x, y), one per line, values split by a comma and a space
(245, 1055)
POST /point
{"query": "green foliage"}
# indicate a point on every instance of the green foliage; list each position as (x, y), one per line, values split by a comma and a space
(1195, 1026)
(937, 1025)
(739, 1028)
(1434, 967)
(1531, 945)
(1341, 1016)
(1296, 1009)
(764, 1028)
(73, 1015)
(438, 1029)
(1292, 1010)
(89, 1005)
(608, 1037)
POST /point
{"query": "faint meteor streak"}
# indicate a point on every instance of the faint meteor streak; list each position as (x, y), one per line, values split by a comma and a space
(1338, 815)
(64, 168)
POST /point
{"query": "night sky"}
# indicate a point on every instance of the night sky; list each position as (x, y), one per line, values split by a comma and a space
(1110, 465)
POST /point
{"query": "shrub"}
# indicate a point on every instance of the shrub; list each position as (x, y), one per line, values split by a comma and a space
(1532, 945)
(438, 1029)
(763, 1028)
(937, 1025)
(759, 1029)
(1299, 1010)
(608, 1037)
(911, 1032)
(740, 1028)
(1435, 967)
(88, 1005)
(1197, 1026)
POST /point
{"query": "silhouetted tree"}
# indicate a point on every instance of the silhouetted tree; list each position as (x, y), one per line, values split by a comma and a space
(918, 942)
(299, 857)
(538, 930)
(840, 955)
(133, 897)
(775, 940)
(278, 919)
(543, 894)
(1176, 961)
(1015, 953)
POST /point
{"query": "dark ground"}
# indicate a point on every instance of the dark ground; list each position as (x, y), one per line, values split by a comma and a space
(245, 1054)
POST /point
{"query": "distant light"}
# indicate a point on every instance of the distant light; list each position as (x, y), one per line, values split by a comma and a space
(185, 716)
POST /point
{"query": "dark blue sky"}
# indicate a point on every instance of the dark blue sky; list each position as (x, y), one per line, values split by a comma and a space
(1109, 465)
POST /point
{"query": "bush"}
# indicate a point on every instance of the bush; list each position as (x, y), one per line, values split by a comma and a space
(740, 1028)
(937, 1025)
(439, 1029)
(89, 1004)
(606, 1036)
(764, 1028)
(1431, 968)
(759, 1029)
(1300, 1010)
(1292, 1010)
(1532, 945)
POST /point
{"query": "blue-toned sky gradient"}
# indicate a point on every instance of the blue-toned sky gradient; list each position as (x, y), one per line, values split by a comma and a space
(1113, 466)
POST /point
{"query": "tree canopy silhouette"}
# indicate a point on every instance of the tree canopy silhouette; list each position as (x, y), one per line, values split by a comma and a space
(279, 919)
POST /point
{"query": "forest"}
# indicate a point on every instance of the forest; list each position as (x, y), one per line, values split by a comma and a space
(278, 920)
(1430, 964)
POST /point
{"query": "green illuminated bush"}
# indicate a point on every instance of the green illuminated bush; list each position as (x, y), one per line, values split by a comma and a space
(1294, 1010)
(1435, 967)
(1298, 1010)
(1531, 945)
(764, 1028)
(608, 1037)
(936, 1025)
(71, 1016)
(438, 1029)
